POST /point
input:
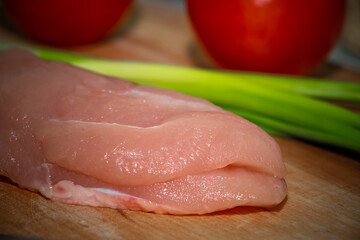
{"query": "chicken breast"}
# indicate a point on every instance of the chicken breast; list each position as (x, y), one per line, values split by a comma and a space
(83, 138)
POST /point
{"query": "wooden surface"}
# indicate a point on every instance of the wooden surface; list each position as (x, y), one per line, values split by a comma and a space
(324, 187)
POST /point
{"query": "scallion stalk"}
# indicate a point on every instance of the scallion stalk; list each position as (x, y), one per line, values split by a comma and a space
(192, 81)
(295, 130)
(329, 89)
(278, 103)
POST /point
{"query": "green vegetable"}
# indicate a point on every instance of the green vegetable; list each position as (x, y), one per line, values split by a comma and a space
(294, 130)
(326, 89)
(280, 104)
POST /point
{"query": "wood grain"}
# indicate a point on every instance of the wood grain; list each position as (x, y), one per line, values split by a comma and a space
(324, 187)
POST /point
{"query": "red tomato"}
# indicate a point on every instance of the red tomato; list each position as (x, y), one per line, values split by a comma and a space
(277, 36)
(66, 22)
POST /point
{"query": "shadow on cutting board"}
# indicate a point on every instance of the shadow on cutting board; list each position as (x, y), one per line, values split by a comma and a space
(243, 210)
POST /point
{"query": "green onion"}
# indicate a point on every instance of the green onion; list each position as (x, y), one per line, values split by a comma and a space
(294, 130)
(334, 90)
(280, 104)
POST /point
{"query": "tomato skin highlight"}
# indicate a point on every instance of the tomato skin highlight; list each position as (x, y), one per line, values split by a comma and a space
(276, 36)
(66, 22)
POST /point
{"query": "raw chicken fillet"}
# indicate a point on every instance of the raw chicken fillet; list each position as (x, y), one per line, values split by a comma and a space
(82, 138)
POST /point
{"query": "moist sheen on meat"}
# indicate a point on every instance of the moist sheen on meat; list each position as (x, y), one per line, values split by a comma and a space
(82, 138)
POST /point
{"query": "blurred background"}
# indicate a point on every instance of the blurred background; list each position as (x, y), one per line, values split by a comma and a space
(160, 31)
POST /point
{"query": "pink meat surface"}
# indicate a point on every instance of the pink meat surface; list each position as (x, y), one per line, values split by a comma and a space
(83, 138)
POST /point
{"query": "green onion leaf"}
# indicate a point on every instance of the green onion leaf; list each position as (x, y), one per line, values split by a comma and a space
(281, 105)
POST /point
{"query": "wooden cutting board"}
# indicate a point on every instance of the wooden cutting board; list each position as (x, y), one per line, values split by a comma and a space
(324, 187)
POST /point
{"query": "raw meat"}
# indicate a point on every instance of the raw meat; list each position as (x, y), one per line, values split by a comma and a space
(82, 138)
